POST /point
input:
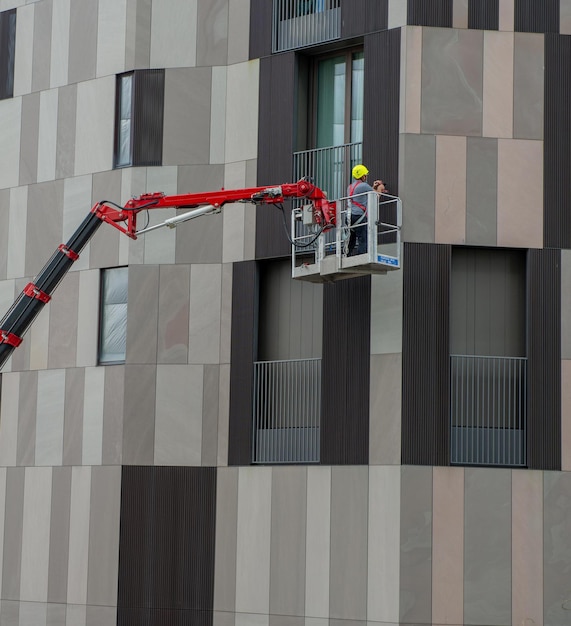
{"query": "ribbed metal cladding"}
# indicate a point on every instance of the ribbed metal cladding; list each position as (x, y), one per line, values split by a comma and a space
(531, 16)
(148, 117)
(544, 359)
(430, 13)
(7, 52)
(426, 341)
(381, 108)
(242, 357)
(166, 546)
(260, 28)
(275, 148)
(345, 372)
(484, 14)
(556, 144)
(359, 17)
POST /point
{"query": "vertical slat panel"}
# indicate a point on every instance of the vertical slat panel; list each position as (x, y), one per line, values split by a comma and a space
(433, 13)
(381, 108)
(544, 359)
(531, 16)
(359, 17)
(148, 117)
(275, 147)
(166, 551)
(484, 14)
(426, 339)
(260, 28)
(243, 354)
(557, 148)
(345, 372)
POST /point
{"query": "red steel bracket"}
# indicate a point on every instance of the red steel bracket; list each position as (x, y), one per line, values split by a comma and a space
(33, 292)
(69, 253)
(10, 339)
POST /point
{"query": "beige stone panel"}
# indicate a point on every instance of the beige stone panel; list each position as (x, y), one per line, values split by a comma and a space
(397, 13)
(76, 205)
(173, 321)
(16, 255)
(47, 138)
(498, 84)
(36, 534)
(218, 115)
(88, 318)
(565, 18)
(520, 204)
(448, 545)
(160, 245)
(62, 347)
(10, 123)
(527, 547)
(111, 37)
(79, 535)
(384, 544)
(38, 339)
(59, 62)
(565, 416)
(223, 414)
(24, 52)
(242, 117)
(205, 307)
(173, 33)
(3, 475)
(238, 31)
(50, 417)
(450, 190)
(411, 79)
(93, 397)
(460, 14)
(506, 17)
(9, 408)
(234, 215)
(226, 314)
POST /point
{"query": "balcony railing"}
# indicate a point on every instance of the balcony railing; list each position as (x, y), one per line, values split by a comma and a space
(299, 23)
(488, 410)
(287, 409)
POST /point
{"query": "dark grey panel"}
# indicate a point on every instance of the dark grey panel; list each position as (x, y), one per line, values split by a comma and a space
(276, 130)
(148, 114)
(544, 359)
(243, 353)
(381, 107)
(359, 17)
(426, 339)
(7, 52)
(42, 46)
(345, 372)
(83, 40)
(484, 14)
(260, 28)
(166, 549)
(433, 13)
(531, 16)
(557, 147)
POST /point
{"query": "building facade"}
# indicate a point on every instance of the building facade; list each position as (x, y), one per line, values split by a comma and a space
(189, 436)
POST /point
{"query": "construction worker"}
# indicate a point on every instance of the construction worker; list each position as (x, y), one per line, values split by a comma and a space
(357, 205)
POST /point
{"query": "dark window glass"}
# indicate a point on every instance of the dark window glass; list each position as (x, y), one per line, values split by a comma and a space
(7, 50)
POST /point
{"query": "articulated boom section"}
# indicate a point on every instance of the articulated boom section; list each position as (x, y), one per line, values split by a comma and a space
(36, 294)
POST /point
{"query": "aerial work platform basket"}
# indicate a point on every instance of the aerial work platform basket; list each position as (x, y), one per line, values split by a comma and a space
(323, 255)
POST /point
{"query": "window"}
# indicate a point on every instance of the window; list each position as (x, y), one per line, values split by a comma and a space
(139, 118)
(488, 364)
(7, 48)
(113, 325)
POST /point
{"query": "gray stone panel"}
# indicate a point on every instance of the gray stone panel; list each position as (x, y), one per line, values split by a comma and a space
(42, 45)
(65, 146)
(487, 546)
(29, 138)
(104, 536)
(287, 552)
(104, 247)
(416, 545)
(285, 620)
(186, 130)
(226, 522)
(10, 613)
(73, 416)
(557, 548)
(142, 314)
(565, 304)
(417, 175)
(56, 615)
(139, 415)
(59, 535)
(348, 565)
(62, 342)
(173, 324)
(101, 616)
(138, 35)
(4, 231)
(26, 446)
(12, 553)
(210, 411)
(83, 40)
(481, 191)
(238, 31)
(452, 81)
(212, 32)
(113, 415)
(201, 241)
(528, 85)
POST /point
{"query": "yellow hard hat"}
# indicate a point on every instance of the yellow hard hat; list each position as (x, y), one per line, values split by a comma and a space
(359, 171)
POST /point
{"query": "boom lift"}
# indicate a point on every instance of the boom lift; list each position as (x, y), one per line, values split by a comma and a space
(36, 294)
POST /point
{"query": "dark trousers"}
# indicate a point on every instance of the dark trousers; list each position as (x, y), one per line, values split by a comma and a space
(358, 237)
